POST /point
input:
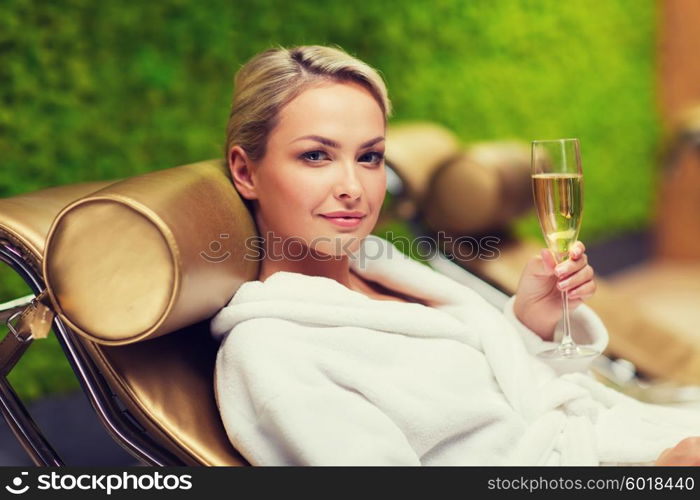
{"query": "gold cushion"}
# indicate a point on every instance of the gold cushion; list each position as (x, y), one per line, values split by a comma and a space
(149, 255)
(166, 383)
(415, 150)
(483, 188)
(462, 198)
(25, 219)
(510, 160)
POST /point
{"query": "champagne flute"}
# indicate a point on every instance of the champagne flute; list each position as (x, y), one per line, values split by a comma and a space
(557, 187)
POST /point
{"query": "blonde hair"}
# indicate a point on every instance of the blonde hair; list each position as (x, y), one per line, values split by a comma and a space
(271, 79)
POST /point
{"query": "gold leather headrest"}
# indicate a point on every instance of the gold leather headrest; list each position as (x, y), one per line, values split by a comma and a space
(510, 162)
(150, 254)
(415, 150)
(482, 188)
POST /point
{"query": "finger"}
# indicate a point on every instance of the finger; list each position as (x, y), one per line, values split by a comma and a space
(569, 267)
(577, 279)
(577, 250)
(584, 291)
(541, 265)
(663, 456)
(548, 260)
(574, 280)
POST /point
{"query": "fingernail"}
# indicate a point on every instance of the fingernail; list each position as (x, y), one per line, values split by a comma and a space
(559, 270)
(564, 284)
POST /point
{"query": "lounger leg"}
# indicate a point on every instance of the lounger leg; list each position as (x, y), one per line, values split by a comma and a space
(115, 421)
(23, 427)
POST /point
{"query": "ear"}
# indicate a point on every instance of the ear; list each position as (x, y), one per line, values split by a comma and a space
(242, 173)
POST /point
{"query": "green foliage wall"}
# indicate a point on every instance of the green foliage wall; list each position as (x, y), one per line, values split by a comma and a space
(102, 90)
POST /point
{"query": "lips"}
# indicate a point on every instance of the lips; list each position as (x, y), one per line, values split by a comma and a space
(343, 219)
(345, 214)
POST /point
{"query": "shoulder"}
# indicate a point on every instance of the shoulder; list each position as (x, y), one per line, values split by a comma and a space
(271, 344)
(255, 333)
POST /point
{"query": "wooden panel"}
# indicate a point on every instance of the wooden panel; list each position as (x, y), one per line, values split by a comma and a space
(679, 60)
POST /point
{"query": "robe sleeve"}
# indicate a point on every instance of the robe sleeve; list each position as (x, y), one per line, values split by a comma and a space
(586, 326)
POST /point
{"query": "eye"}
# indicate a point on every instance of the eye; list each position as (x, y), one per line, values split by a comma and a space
(314, 156)
(378, 157)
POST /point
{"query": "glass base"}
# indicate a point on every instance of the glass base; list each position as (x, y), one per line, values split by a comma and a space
(569, 352)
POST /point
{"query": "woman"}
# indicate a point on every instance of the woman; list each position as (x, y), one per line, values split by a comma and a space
(345, 351)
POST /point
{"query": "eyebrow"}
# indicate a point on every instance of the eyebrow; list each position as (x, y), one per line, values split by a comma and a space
(332, 144)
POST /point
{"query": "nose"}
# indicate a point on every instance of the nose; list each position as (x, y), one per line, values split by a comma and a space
(348, 185)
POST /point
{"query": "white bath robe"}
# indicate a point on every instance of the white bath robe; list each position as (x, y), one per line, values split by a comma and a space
(310, 372)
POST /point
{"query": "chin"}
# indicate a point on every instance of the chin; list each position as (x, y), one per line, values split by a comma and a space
(337, 245)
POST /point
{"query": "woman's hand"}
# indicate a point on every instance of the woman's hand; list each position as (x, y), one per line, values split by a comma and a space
(538, 302)
(687, 452)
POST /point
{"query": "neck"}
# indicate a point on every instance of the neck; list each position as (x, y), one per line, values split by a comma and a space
(311, 263)
(334, 268)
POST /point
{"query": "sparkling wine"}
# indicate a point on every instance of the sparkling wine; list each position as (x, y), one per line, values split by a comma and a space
(559, 202)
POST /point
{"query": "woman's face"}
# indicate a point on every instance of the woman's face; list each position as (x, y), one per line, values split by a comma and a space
(325, 155)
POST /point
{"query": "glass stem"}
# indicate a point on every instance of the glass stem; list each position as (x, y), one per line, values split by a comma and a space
(567, 343)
